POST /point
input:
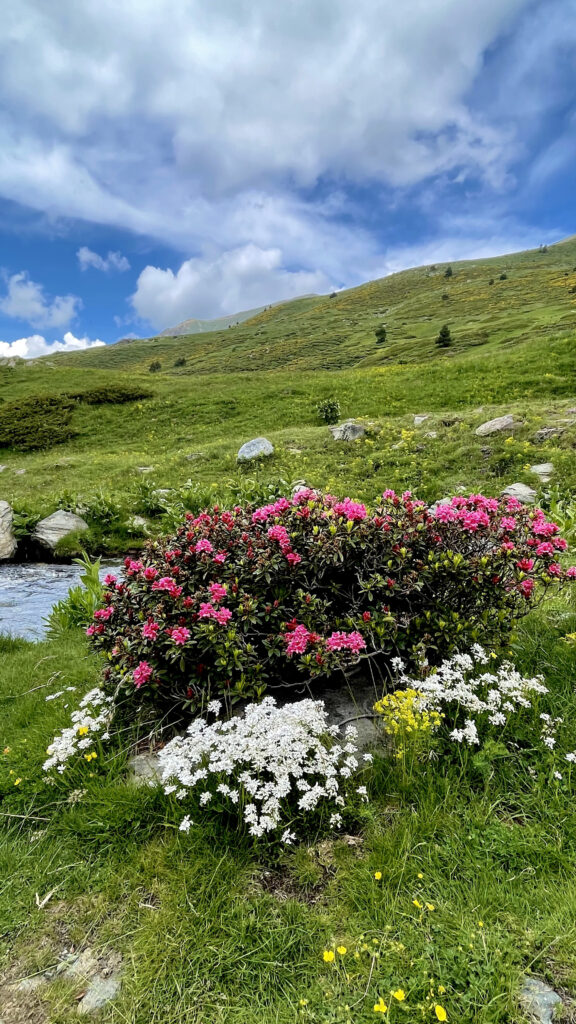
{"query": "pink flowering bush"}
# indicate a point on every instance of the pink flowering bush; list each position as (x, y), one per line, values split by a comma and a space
(243, 599)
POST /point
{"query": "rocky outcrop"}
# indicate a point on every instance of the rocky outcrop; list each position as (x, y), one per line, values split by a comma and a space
(258, 448)
(544, 470)
(421, 418)
(348, 431)
(54, 528)
(493, 426)
(8, 542)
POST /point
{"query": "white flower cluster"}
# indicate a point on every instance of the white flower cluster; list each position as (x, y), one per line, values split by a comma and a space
(89, 722)
(272, 764)
(457, 687)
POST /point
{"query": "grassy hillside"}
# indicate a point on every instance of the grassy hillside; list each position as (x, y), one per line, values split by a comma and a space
(514, 351)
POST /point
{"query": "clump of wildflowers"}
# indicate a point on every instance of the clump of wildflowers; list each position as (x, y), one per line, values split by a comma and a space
(89, 723)
(268, 768)
(309, 585)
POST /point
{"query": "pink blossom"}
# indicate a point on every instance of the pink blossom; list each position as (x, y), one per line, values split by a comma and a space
(545, 548)
(142, 673)
(508, 545)
(150, 573)
(526, 564)
(508, 523)
(543, 529)
(571, 572)
(206, 610)
(527, 586)
(338, 641)
(179, 634)
(217, 591)
(133, 567)
(150, 630)
(293, 557)
(279, 533)
(110, 579)
(555, 569)
(297, 640)
(220, 557)
(351, 510)
(203, 545)
(389, 495)
(91, 630)
(104, 613)
(222, 615)
(167, 583)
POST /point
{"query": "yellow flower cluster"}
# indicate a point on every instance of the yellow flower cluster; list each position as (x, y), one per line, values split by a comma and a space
(402, 713)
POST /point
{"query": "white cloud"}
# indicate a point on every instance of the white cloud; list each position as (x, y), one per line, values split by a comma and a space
(200, 99)
(113, 261)
(36, 345)
(238, 279)
(25, 300)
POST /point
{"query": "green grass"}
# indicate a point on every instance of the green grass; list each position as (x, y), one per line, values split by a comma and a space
(209, 931)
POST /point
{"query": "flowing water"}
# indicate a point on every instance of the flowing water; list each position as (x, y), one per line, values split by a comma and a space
(28, 591)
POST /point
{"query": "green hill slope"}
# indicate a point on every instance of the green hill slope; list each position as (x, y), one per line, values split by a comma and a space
(514, 351)
(537, 298)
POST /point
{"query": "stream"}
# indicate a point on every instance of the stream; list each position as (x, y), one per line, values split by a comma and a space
(30, 589)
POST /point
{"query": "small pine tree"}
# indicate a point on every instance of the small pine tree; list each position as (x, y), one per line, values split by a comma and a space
(380, 334)
(445, 297)
(491, 281)
(448, 272)
(155, 366)
(181, 361)
(444, 339)
(503, 277)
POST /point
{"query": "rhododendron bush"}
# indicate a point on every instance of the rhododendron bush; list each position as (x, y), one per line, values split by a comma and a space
(309, 585)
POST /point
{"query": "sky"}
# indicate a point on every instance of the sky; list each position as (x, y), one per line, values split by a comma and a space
(167, 159)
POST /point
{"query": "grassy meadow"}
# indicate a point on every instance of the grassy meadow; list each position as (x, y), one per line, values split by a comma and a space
(457, 880)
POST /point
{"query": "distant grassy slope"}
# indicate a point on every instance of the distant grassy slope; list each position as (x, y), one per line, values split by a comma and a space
(535, 300)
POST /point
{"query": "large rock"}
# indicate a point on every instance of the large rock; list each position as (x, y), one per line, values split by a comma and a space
(348, 431)
(52, 529)
(255, 449)
(493, 426)
(543, 470)
(421, 418)
(8, 542)
(527, 495)
(540, 1001)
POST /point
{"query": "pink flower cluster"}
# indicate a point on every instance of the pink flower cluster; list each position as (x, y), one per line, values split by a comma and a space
(169, 585)
(351, 510)
(142, 674)
(180, 634)
(299, 638)
(346, 642)
(280, 534)
(208, 611)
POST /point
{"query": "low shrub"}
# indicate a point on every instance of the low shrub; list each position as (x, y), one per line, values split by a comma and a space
(35, 423)
(111, 394)
(77, 609)
(329, 410)
(239, 600)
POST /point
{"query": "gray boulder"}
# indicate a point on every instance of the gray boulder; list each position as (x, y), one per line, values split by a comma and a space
(527, 495)
(255, 449)
(52, 529)
(493, 426)
(421, 418)
(544, 470)
(540, 1001)
(348, 431)
(8, 542)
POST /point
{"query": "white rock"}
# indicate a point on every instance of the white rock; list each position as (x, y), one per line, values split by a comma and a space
(255, 449)
(527, 495)
(493, 426)
(421, 418)
(8, 542)
(348, 431)
(99, 992)
(52, 529)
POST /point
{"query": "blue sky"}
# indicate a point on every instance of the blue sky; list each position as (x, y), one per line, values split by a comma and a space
(163, 160)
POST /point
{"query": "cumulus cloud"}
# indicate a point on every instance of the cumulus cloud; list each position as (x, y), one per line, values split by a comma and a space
(113, 261)
(36, 345)
(238, 279)
(25, 300)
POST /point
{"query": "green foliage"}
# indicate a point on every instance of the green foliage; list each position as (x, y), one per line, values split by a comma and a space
(155, 366)
(444, 339)
(111, 394)
(503, 277)
(181, 361)
(35, 423)
(380, 334)
(77, 609)
(448, 272)
(328, 410)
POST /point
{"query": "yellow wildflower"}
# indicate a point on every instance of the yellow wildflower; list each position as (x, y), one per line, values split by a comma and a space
(441, 990)
(480, 924)
(377, 875)
(328, 956)
(342, 950)
(82, 730)
(17, 782)
(430, 906)
(380, 1006)
(400, 995)
(417, 904)
(440, 1012)
(420, 875)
